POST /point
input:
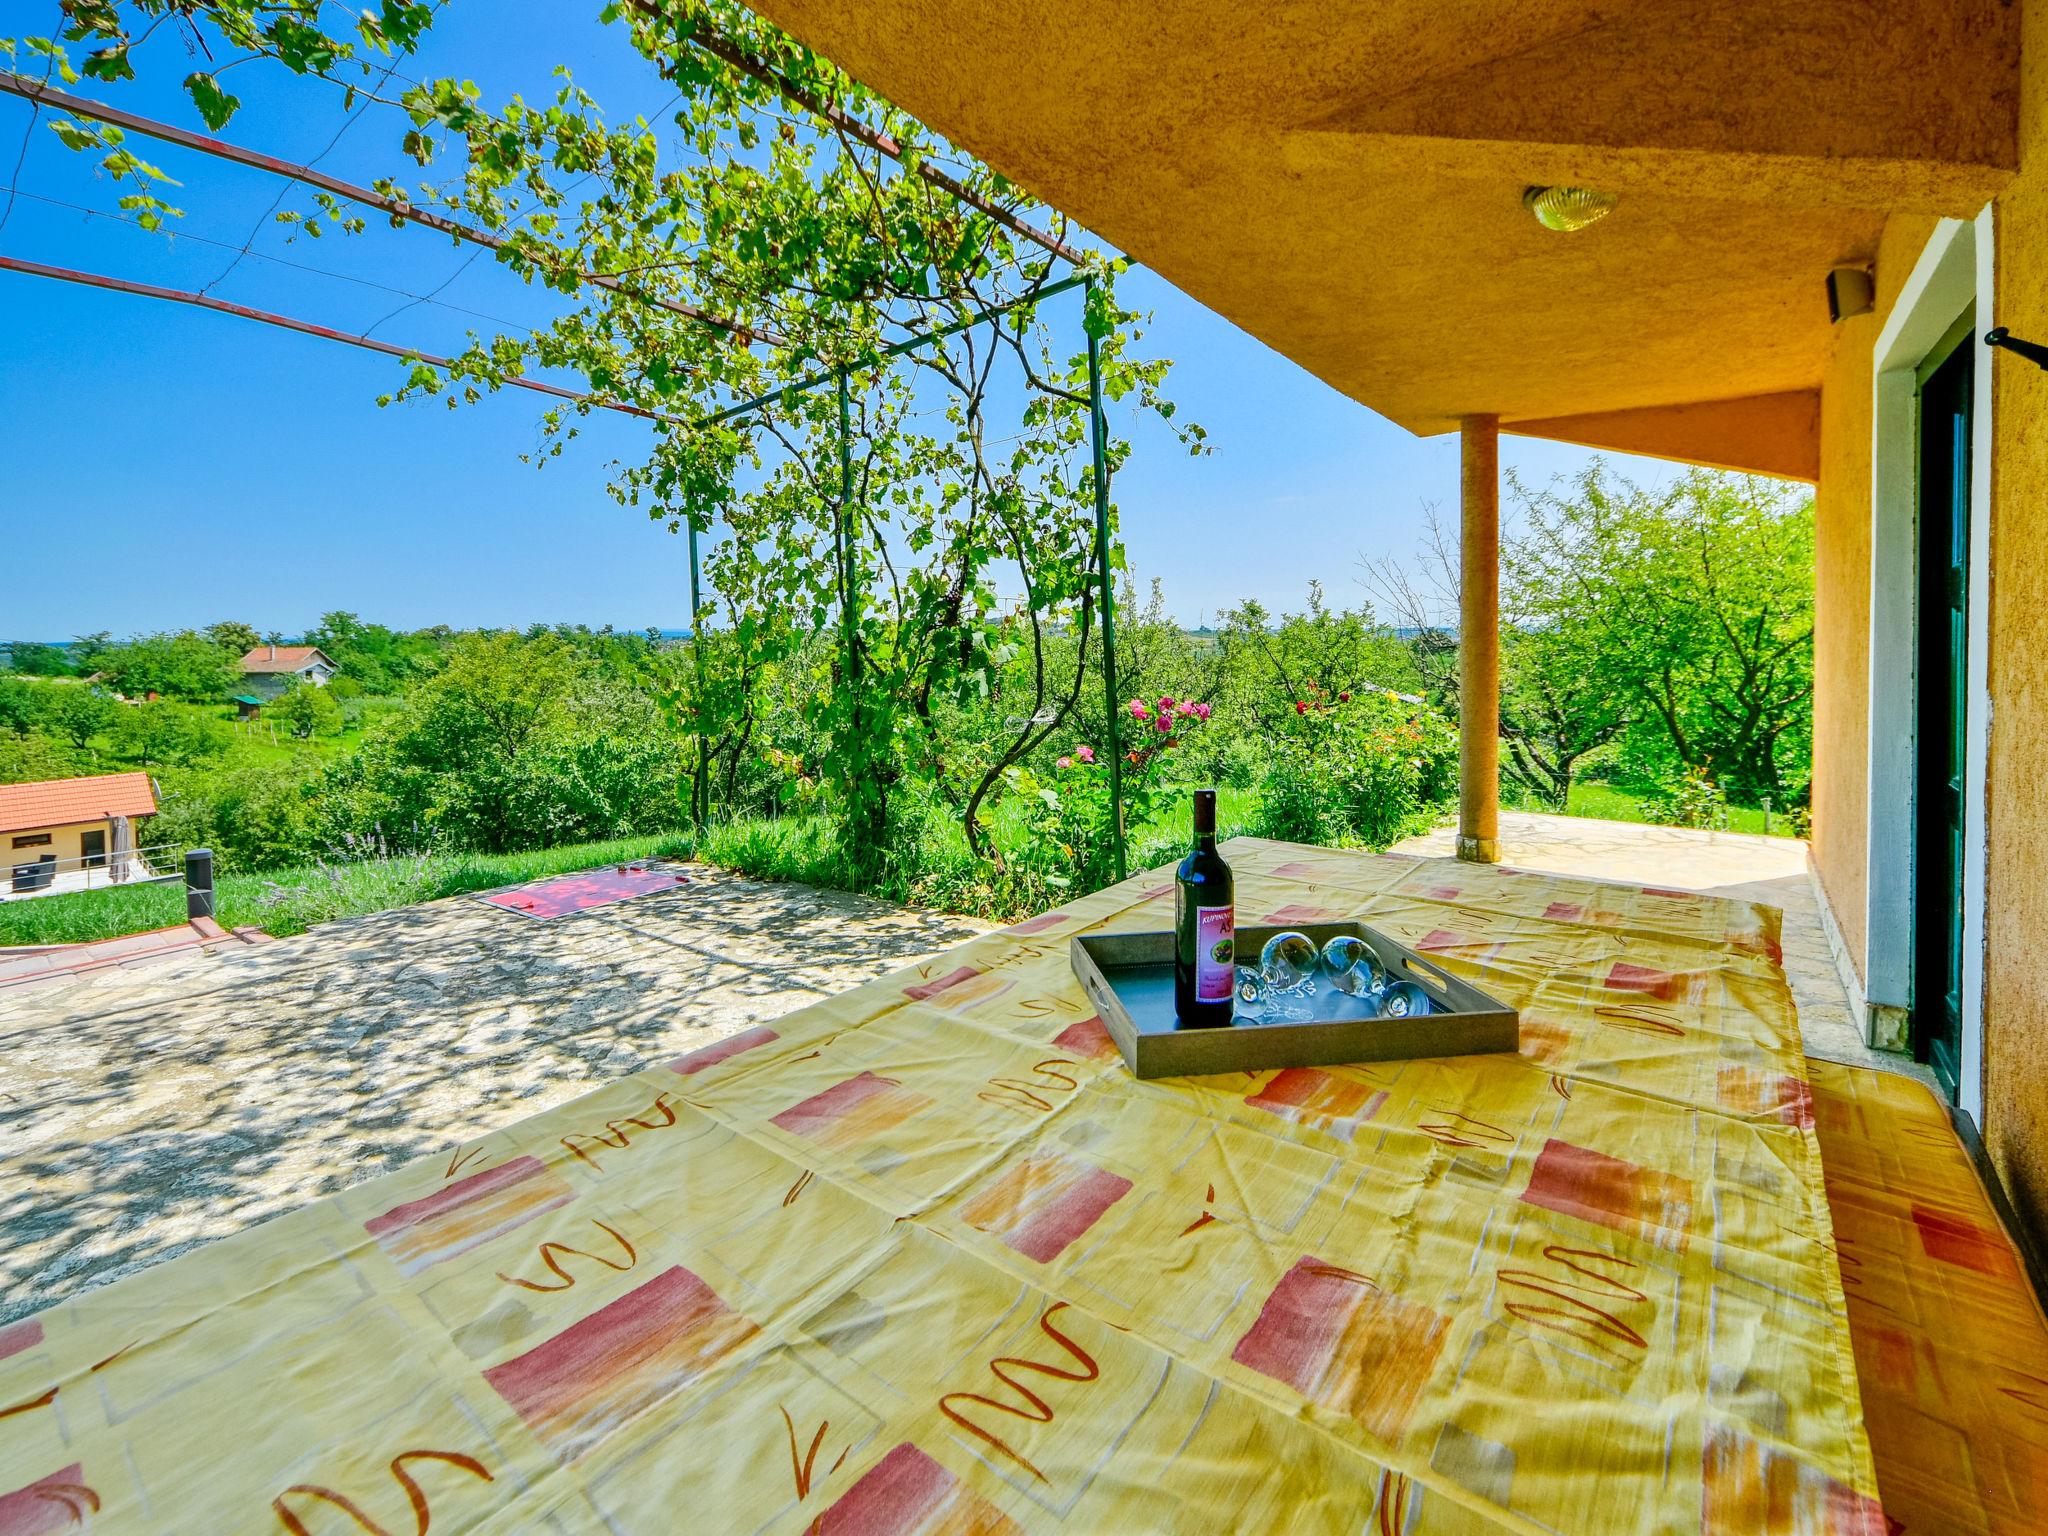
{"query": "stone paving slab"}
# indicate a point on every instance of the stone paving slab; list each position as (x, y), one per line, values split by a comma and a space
(143, 1111)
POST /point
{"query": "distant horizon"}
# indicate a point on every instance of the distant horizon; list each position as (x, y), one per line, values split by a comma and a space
(7, 642)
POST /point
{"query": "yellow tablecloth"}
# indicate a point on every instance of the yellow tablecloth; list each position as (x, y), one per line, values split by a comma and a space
(924, 1258)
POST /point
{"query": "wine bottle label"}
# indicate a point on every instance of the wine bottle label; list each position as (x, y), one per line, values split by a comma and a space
(1215, 954)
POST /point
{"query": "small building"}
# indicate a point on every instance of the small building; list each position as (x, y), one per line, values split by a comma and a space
(248, 706)
(63, 834)
(270, 669)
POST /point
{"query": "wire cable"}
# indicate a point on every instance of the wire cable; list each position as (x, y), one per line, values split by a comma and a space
(347, 123)
(35, 114)
(432, 295)
(282, 261)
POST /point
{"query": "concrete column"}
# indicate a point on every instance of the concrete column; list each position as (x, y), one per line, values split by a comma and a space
(1479, 642)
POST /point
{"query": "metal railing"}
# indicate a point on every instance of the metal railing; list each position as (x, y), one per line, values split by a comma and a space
(29, 874)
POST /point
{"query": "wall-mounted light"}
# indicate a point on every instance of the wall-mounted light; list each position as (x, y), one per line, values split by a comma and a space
(1568, 208)
(1851, 291)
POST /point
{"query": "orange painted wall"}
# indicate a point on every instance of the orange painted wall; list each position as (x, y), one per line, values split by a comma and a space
(2016, 907)
(1841, 640)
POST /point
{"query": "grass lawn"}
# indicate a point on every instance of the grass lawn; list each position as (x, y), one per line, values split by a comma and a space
(1614, 802)
(253, 743)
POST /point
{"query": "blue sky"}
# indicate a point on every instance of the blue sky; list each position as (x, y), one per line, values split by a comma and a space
(165, 467)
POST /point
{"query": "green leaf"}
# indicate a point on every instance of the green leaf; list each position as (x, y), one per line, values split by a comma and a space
(214, 104)
(109, 63)
(302, 49)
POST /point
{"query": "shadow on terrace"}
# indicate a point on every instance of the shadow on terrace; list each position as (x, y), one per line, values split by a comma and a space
(149, 1110)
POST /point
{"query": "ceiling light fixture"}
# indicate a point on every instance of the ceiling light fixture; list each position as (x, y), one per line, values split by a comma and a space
(1568, 208)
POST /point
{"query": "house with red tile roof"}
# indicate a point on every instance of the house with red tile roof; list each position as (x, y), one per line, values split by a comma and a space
(58, 833)
(270, 669)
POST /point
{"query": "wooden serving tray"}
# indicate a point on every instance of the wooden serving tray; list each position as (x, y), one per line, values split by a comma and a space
(1129, 978)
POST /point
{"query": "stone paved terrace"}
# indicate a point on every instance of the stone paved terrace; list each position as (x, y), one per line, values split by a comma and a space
(148, 1108)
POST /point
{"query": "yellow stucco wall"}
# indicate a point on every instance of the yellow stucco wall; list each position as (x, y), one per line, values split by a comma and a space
(64, 842)
(2015, 1082)
(2016, 907)
(1770, 434)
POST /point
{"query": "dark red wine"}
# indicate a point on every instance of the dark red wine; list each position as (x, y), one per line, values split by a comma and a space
(1205, 926)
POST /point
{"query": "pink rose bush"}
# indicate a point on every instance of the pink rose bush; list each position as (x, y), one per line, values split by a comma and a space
(1072, 810)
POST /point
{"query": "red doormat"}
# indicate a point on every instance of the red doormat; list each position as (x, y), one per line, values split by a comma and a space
(564, 894)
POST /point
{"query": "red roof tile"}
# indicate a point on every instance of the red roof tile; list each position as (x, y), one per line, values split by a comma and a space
(60, 802)
(282, 658)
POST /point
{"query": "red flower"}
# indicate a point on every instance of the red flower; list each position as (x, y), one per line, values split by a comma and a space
(1344, 698)
(1300, 707)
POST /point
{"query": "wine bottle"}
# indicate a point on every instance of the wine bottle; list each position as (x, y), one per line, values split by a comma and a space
(1205, 926)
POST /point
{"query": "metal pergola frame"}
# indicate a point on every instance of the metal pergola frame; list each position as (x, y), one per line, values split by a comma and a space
(1105, 586)
(41, 93)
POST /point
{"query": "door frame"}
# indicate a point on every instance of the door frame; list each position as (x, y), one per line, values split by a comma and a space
(1955, 270)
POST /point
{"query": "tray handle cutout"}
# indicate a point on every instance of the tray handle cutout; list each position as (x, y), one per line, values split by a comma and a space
(1438, 981)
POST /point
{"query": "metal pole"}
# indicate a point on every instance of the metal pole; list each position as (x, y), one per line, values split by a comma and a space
(1099, 435)
(47, 95)
(848, 598)
(304, 328)
(1479, 642)
(700, 793)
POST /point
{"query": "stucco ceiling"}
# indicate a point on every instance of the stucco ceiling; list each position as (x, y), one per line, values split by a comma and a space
(1344, 180)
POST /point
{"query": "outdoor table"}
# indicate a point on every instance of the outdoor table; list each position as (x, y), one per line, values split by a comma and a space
(925, 1258)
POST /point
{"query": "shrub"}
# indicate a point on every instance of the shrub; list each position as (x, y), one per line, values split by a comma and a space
(1692, 800)
(1365, 769)
(1070, 819)
(306, 710)
(259, 817)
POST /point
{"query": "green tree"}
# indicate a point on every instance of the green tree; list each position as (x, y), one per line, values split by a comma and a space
(516, 743)
(185, 665)
(1562, 697)
(807, 245)
(1267, 666)
(1697, 601)
(155, 734)
(382, 660)
(38, 659)
(35, 757)
(305, 710)
(78, 713)
(234, 637)
(20, 704)
(1679, 619)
